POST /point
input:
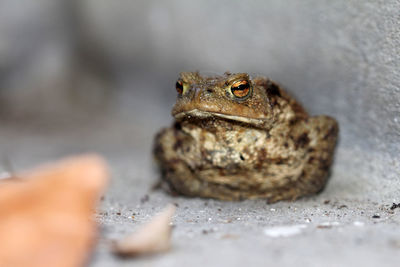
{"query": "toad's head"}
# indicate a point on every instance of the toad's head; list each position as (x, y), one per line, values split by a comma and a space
(233, 97)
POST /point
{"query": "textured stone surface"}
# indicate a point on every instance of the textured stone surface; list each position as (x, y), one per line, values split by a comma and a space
(340, 58)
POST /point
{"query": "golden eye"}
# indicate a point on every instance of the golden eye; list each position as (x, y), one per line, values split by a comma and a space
(179, 87)
(241, 89)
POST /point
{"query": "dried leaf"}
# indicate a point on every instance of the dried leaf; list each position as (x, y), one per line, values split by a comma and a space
(46, 217)
(155, 236)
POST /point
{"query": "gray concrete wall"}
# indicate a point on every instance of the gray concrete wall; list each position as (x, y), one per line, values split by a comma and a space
(340, 58)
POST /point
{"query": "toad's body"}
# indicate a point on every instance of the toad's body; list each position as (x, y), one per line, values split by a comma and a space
(236, 138)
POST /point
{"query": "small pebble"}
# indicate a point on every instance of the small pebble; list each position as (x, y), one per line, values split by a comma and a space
(284, 231)
(359, 224)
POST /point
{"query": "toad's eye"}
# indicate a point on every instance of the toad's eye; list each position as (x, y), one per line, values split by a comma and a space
(241, 89)
(179, 87)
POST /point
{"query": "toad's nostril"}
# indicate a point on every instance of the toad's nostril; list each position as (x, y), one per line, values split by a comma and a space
(195, 92)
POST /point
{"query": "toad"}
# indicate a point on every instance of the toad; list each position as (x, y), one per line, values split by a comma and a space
(235, 137)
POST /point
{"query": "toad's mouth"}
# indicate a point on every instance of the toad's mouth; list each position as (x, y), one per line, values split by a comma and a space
(200, 114)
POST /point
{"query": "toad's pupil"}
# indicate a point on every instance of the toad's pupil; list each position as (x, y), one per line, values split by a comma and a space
(240, 89)
(179, 87)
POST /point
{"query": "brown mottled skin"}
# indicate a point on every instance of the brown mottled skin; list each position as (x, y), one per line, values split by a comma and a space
(229, 148)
